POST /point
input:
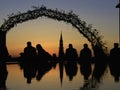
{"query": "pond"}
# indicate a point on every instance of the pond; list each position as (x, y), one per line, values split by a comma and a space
(58, 76)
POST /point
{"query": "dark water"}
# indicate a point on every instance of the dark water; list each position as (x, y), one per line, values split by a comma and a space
(61, 76)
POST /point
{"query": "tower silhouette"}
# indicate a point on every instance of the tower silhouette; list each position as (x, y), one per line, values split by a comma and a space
(61, 48)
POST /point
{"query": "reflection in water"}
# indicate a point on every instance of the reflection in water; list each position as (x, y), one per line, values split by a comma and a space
(3, 75)
(115, 69)
(114, 62)
(35, 69)
(42, 69)
(93, 77)
(71, 69)
(100, 66)
(86, 70)
(61, 68)
(98, 73)
(29, 70)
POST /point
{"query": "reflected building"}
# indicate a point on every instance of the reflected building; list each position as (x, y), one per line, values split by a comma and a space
(61, 48)
(61, 68)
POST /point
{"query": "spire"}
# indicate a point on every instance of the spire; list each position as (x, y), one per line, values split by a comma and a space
(61, 51)
(61, 67)
(61, 37)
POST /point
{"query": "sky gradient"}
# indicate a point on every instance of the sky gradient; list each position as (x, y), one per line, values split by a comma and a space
(102, 14)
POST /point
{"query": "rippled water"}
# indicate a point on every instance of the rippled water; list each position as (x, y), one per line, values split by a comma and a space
(57, 78)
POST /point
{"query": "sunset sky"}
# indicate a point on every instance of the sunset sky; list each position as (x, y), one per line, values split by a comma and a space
(102, 14)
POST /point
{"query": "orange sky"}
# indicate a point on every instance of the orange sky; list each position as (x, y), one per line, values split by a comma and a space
(45, 32)
(102, 14)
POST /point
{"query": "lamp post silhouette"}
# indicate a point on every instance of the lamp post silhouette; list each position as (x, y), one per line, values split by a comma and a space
(118, 6)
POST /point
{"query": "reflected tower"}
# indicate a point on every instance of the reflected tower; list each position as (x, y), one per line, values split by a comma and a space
(61, 48)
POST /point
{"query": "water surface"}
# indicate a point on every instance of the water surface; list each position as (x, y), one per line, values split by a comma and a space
(59, 77)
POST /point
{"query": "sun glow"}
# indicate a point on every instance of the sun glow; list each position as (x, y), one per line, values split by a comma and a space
(46, 32)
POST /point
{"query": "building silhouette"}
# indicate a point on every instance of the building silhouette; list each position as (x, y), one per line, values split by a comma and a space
(61, 48)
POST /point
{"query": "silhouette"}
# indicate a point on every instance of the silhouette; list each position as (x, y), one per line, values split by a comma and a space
(61, 73)
(35, 69)
(61, 48)
(96, 78)
(70, 17)
(71, 53)
(114, 62)
(54, 60)
(98, 52)
(42, 54)
(99, 71)
(114, 70)
(28, 63)
(29, 70)
(57, 15)
(100, 65)
(85, 54)
(54, 57)
(3, 48)
(87, 85)
(71, 69)
(115, 53)
(99, 55)
(3, 75)
(42, 69)
(85, 61)
(85, 70)
(100, 62)
(29, 52)
(43, 62)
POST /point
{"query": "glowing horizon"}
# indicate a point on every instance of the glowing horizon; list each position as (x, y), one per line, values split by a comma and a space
(101, 14)
(40, 34)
